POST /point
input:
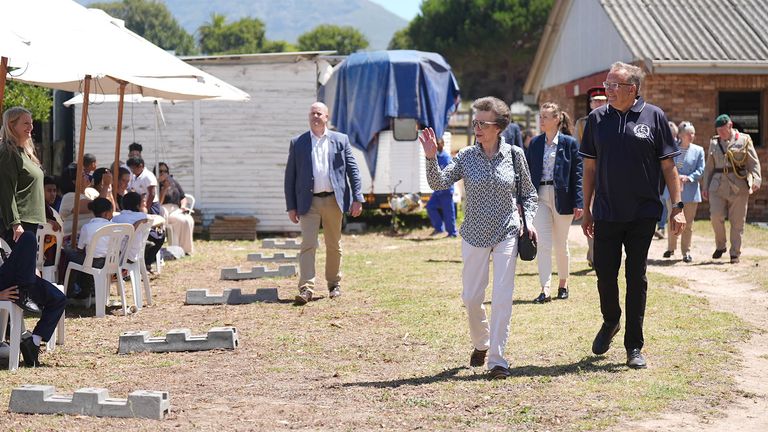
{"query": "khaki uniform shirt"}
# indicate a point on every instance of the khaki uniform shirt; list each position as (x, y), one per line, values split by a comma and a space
(732, 165)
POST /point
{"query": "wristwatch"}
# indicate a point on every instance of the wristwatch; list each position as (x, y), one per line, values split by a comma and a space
(679, 205)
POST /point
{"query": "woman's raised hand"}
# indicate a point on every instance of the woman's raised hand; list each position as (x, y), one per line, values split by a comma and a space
(428, 142)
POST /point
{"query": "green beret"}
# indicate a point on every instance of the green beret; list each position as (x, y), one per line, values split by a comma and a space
(722, 120)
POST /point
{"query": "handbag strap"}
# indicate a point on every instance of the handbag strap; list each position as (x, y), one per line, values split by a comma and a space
(517, 188)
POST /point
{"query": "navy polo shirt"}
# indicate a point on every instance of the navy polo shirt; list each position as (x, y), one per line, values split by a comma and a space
(628, 148)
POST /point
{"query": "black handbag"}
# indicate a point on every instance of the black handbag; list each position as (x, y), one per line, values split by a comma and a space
(526, 246)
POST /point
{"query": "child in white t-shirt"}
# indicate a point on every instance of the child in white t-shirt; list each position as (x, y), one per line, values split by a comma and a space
(80, 284)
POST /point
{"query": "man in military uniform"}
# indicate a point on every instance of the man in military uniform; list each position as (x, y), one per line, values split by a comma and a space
(731, 174)
(597, 98)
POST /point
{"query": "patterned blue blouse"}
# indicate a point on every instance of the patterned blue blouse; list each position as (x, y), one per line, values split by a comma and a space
(491, 215)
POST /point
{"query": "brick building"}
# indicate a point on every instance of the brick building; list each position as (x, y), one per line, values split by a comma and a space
(701, 57)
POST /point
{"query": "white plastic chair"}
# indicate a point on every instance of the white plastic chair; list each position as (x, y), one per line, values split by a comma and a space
(190, 203)
(49, 273)
(137, 268)
(118, 238)
(9, 309)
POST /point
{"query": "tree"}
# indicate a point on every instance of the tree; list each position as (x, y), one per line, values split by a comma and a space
(489, 43)
(37, 100)
(342, 39)
(246, 35)
(152, 21)
(400, 40)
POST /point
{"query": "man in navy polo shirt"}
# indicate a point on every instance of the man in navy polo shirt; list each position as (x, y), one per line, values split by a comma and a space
(627, 146)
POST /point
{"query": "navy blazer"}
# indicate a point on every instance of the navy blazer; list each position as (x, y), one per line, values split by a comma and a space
(567, 173)
(299, 180)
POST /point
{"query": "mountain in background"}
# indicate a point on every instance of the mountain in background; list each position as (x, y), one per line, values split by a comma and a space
(287, 19)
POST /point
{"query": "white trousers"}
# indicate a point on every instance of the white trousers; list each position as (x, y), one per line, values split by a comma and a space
(552, 228)
(475, 279)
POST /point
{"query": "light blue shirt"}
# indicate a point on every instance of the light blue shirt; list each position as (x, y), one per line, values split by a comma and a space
(690, 163)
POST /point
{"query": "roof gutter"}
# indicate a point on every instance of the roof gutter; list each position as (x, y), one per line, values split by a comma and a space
(708, 67)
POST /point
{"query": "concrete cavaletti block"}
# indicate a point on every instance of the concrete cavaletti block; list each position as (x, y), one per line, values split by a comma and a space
(281, 244)
(232, 296)
(234, 273)
(278, 257)
(178, 340)
(42, 399)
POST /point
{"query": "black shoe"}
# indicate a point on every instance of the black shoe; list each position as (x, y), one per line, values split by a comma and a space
(718, 253)
(687, 258)
(668, 254)
(304, 297)
(26, 303)
(334, 292)
(603, 339)
(635, 359)
(542, 298)
(30, 352)
(499, 372)
(562, 293)
(477, 358)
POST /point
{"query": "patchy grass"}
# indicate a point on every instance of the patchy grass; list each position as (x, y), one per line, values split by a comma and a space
(391, 353)
(754, 243)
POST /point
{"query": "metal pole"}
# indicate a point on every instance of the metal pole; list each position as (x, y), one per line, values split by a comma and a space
(81, 147)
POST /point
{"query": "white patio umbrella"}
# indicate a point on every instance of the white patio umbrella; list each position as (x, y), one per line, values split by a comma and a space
(94, 50)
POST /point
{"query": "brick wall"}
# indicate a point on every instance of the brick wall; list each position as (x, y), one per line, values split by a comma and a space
(693, 98)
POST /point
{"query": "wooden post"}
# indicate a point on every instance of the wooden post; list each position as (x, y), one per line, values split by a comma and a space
(80, 149)
(3, 74)
(118, 139)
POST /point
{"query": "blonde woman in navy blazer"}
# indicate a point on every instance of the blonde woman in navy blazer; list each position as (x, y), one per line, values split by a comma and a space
(690, 168)
(556, 169)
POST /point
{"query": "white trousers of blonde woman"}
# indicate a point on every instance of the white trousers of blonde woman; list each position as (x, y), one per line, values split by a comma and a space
(474, 276)
(552, 228)
(183, 226)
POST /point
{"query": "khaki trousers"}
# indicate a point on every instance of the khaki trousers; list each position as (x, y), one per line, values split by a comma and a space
(324, 210)
(736, 208)
(689, 211)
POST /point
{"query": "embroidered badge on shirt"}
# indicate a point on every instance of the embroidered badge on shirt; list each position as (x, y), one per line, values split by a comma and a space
(642, 131)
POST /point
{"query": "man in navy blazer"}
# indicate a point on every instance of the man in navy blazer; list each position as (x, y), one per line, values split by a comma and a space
(322, 182)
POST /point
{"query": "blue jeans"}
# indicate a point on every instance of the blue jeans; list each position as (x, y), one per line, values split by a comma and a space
(441, 212)
(19, 270)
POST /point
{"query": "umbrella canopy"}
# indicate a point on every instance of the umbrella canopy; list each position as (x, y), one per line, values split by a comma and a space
(80, 42)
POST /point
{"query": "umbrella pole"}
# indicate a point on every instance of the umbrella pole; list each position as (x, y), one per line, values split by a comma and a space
(79, 174)
(3, 74)
(118, 139)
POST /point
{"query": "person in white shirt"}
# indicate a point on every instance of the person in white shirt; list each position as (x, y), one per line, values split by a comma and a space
(145, 184)
(132, 215)
(81, 285)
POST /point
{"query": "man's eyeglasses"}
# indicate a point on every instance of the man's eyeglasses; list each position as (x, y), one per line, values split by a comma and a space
(614, 85)
(481, 124)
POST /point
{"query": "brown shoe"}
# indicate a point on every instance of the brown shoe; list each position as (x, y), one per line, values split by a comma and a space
(478, 357)
(304, 297)
(499, 372)
(334, 292)
(734, 260)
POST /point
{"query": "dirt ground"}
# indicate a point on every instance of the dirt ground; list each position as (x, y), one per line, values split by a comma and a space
(718, 282)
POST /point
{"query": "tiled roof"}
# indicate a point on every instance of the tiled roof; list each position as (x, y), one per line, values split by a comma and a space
(721, 31)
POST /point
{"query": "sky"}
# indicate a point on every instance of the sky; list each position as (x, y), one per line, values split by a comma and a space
(407, 9)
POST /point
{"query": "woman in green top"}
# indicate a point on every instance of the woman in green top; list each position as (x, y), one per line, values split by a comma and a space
(22, 198)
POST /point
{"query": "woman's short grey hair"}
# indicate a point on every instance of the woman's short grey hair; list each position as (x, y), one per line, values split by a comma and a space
(686, 127)
(635, 75)
(497, 106)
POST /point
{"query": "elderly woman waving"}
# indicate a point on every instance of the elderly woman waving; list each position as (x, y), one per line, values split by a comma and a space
(491, 225)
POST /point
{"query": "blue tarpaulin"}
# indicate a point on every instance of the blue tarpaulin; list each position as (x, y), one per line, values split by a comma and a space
(372, 88)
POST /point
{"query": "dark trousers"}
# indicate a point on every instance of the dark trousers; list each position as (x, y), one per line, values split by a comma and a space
(19, 270)
(635, 237)
(156, 241)
(441, 211)
(28, 227)
(81, 285)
